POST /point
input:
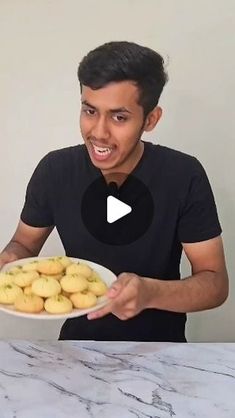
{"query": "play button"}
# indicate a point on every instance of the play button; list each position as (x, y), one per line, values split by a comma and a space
(117, 215)
(116, 209)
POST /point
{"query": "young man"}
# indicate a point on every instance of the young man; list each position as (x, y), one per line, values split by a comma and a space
(121, 83)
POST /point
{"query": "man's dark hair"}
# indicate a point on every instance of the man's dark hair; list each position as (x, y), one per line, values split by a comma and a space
(120, 61)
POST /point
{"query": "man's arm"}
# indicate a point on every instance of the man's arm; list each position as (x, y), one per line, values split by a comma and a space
(206, 288)
(27, 241)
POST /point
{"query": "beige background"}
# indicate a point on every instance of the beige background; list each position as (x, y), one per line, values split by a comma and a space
(41, 44)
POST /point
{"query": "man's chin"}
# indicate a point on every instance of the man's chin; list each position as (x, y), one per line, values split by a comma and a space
(102, 165)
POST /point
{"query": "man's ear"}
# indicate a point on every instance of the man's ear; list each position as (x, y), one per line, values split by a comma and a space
(152, 119)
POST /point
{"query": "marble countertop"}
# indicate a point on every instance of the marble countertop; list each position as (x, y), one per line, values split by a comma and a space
(78, 379)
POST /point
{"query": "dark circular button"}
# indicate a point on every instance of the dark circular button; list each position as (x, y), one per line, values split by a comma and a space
(126, 228)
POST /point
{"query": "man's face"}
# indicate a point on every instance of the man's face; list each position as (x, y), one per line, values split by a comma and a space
(111, 124)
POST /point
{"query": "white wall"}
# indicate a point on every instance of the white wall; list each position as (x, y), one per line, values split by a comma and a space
(41, 44)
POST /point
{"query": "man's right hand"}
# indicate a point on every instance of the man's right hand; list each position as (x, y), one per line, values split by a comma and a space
(6, 258)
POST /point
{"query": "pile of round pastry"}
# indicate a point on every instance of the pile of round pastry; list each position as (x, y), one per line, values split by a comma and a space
(56, 284)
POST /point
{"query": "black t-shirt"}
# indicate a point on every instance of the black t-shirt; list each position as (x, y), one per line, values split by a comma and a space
(184, 212)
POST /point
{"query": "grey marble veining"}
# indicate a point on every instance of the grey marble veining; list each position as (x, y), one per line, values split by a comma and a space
(116, 380)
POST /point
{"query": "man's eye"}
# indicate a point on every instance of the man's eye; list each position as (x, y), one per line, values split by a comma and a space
(89, 112)
(119, 118)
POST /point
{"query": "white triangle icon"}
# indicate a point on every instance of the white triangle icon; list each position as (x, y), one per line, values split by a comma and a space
(116, 209)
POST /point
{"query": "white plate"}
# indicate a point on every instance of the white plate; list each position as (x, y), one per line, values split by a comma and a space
(107, 276)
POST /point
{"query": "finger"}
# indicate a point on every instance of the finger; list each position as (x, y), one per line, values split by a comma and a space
(115, 289)
(100, 312)
(1, 265)
(118, 285)
(124, 277)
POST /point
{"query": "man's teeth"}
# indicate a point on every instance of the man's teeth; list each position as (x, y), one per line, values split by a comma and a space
(102, 151)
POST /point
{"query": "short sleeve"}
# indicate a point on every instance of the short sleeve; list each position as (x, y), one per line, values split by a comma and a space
(37, 208)
(198, 219)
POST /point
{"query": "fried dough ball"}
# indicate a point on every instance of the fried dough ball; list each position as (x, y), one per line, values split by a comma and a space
(46, 287)
(94, 275)
(32, 266)
(97, 286)
(6, 278)
(73, 283)
(80, 268)
(15, 270)
(64, 260)
(83, 300)
(28, 290)
(50, 267)
(25, 278)
(58, 304)
(9, 292)
(29, 303)
(53, 276)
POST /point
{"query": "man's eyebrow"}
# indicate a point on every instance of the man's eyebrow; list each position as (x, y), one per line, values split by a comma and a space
(84, 102)
(118, 110)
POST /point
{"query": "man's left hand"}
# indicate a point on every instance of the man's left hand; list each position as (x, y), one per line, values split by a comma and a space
(128, 295)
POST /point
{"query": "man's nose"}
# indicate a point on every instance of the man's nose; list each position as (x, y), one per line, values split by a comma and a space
(101, 129)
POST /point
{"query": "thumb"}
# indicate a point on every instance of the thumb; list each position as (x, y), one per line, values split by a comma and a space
(117, 286)
(1, 263)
